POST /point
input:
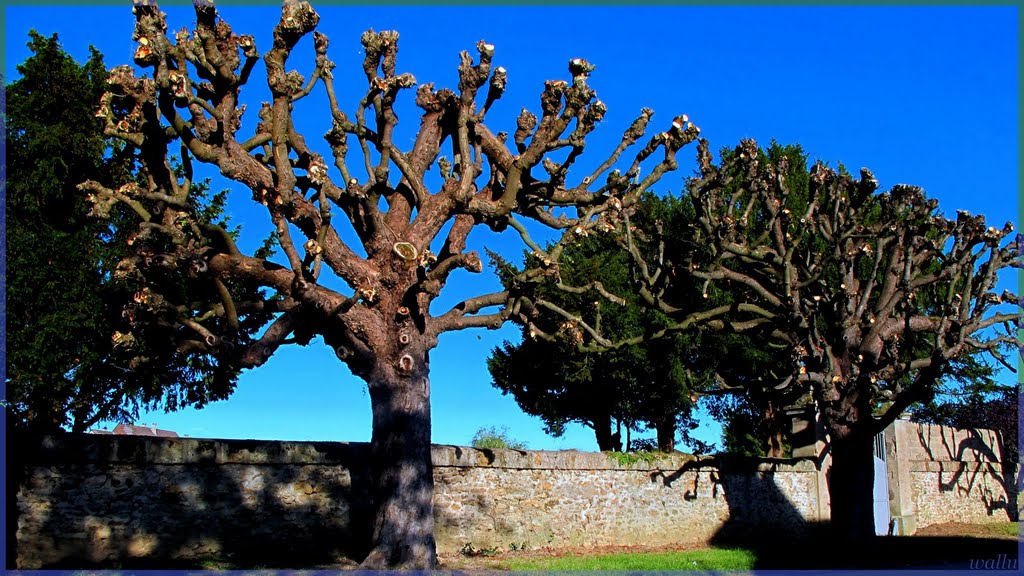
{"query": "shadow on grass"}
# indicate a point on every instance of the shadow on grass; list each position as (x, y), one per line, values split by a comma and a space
(816, 550)
(763, 520)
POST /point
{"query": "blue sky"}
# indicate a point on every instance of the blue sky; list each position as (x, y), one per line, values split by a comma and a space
(921, 95)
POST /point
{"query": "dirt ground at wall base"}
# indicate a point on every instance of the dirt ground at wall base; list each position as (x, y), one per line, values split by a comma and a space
(947, 532)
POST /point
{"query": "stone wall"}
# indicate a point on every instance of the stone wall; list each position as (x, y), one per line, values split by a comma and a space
(948, 475)
(94, 499)
(97, 499)
(89, 498)
(586, 498)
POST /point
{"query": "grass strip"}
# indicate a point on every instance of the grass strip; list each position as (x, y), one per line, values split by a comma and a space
(708, 559)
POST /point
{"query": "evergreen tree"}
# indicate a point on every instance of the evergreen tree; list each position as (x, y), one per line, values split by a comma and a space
(69, 364)
(56, 326)
(651, 384)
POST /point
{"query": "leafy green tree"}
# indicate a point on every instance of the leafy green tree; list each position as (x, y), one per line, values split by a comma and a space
(493, 437)
(52, 314)
(741, 420)
(750, 397)
(547, 373)
(57, 324)
(651, 384)
(70, 362)
(558, 397)
(606, 392)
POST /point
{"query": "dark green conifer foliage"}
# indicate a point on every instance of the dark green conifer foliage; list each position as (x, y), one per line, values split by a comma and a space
(65, 305)
(652, 385)
(55, 325)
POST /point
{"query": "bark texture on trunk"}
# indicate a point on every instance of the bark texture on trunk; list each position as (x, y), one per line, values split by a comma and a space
(773, 425)
(402, 471)
(851, 481)
(603, 433)
(666, 435)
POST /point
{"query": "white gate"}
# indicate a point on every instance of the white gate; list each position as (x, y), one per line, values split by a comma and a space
(881, 487)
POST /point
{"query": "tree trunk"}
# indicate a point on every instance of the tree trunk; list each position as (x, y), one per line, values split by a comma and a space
(617, 437)
(401, 468)
(851, 480)
(603, 433)
(776, 448)
(773, 426)
(666, 434)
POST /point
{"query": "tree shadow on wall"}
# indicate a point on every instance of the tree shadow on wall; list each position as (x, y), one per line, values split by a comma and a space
(218, 511)
(763, 520)
(988, 464)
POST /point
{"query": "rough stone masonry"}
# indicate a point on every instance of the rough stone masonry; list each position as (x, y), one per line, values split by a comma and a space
(93, 499)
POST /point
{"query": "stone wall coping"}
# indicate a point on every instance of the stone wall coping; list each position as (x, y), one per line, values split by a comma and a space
(117, 449)
(110, 449)
(462, 457)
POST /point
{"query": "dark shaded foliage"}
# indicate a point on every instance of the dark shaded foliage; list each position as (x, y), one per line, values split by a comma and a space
(70, 361)
(651, 385)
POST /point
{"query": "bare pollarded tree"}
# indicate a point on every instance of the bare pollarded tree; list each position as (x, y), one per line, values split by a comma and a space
(876, 296)
(380, 325)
